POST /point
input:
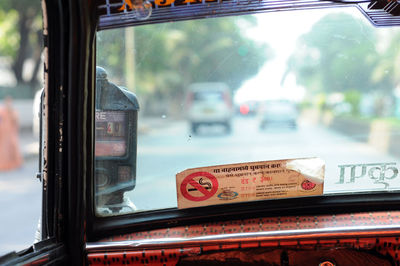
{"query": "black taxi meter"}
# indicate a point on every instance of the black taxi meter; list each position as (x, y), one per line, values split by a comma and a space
(115, 144)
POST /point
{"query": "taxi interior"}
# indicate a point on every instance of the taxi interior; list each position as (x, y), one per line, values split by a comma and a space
(91, 153)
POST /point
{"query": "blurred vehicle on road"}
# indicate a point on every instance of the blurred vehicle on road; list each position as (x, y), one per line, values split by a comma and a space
(278, 113)
(248, 108)
(209, 103)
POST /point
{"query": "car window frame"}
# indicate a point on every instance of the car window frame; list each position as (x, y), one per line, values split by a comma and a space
(101, 227)
(70, 216)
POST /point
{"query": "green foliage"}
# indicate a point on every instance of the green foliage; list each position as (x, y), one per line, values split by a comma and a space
(20, 38)
(9, 38)
(337, 55)
(168, 57)
(353, 97)
(11, 14)
(320, 101)
(111, 53)
(387, 70)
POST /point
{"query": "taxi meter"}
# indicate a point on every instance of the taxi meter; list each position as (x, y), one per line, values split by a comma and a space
(115, 146)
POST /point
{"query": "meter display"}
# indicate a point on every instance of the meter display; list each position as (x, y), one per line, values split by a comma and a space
(115, 151)
(111, 135)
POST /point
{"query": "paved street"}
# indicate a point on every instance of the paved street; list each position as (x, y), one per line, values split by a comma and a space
(20, 201)
(165, 151)
(166, 147)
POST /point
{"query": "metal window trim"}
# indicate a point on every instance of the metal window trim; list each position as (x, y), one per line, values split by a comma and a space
(299, 234)
(160, 14)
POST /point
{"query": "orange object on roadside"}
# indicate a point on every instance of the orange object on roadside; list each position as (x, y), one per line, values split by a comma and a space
(10, 155)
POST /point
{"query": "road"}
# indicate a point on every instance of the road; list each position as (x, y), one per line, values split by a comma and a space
(166, 147)
(20, 203)
(165, 151)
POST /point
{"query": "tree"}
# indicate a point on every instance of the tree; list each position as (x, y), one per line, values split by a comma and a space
(21, 21)
(387, 70)
(337, 55)
(171, 56)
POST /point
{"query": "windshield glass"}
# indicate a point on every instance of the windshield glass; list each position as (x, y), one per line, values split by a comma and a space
(299, 84)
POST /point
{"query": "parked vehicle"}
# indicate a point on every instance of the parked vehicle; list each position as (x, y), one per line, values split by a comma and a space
(278, 113)
(115, 194)
(248, 108)
(209, 104)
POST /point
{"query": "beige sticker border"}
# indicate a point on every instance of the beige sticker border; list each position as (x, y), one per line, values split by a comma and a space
(252, 181)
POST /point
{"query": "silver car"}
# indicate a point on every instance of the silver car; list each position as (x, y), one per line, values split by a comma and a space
(209, 103)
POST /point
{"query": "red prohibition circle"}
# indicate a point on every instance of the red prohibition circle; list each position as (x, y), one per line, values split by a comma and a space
(190, 180)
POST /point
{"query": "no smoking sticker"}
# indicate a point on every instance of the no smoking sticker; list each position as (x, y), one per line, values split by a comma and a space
(199, 186)
(242, 182)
